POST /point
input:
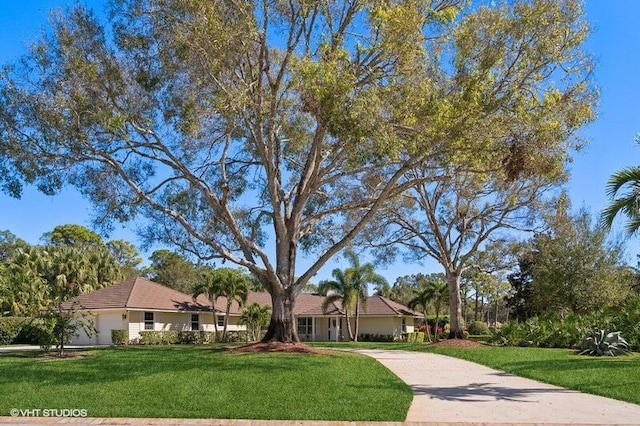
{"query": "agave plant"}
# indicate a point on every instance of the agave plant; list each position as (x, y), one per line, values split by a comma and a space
(600, 343)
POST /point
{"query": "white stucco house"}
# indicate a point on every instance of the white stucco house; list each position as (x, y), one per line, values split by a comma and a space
(138, 304)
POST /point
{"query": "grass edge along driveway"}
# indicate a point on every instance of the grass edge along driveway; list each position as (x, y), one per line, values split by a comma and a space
(205, 382)
(611, 377)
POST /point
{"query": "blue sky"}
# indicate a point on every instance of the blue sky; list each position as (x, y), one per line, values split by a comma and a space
(615, 43)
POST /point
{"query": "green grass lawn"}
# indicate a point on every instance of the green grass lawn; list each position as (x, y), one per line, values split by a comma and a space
(201, 382)
(613, 377)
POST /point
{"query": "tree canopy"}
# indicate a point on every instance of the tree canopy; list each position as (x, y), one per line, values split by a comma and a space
(72, 235)
(172, 269)
(252, 131)
(575, 267)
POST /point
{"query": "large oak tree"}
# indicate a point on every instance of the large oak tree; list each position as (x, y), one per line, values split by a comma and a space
(522, 67)
(252, 131)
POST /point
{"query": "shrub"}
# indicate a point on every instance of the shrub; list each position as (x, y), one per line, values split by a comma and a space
(168, 337)
(369, 337)
(234, 336)
(195, 337)
(10, 328)
(599, 343)
(119, 337)
(546, 331)
(627, 320)
(5, 337)
(32, 332)
(477, 328)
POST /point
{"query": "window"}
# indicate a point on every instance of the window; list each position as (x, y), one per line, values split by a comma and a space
(305, 326)
(195, 322)
(148, 321)
(220, 321)
(404, 325)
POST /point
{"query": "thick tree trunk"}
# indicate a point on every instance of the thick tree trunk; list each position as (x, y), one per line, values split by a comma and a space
(282, 327)
(455, 306)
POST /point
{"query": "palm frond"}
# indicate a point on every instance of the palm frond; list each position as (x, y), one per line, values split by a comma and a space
(329, 300)
(628, 176)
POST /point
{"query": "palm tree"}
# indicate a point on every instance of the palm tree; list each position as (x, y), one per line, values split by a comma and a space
(434, 292)
(235, 287)
(350, 286)
(422, 299)
(361, 276)
(255, 317)
(211, 288)
(339, 290)
(223, 282)
(628, 203)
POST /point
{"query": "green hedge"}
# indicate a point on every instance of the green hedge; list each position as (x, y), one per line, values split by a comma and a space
(158, 338)
(196, 337)
(172, 337)
(10, 328)
(119, 337)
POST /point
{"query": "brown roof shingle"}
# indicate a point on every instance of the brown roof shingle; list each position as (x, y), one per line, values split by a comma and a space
(311, 305)
(141, 293)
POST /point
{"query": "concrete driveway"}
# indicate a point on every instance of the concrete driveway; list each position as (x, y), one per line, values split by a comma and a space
(450, 390)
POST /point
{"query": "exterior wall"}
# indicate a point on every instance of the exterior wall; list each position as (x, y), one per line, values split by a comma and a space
(103, 323)
(234, 324)
(83, 339)
(322, 328)
(381, 325)
(176, 321)
(134, 322)
(107, 321)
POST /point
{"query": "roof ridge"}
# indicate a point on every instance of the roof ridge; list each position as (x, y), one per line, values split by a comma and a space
(133, 284)
(386, 302)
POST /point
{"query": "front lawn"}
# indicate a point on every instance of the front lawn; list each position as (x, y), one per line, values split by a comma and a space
(201, 382)
(613, 377)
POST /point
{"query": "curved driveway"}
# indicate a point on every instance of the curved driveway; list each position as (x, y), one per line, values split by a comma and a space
(448, 389)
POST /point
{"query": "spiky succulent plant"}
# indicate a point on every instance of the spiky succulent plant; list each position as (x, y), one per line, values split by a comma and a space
(599, 343)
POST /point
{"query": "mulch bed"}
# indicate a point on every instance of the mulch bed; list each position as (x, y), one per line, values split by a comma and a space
(279, 347)
(53, 356)
(457, 343)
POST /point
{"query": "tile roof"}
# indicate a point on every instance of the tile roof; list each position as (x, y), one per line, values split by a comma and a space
(140, 293)
(311, 304)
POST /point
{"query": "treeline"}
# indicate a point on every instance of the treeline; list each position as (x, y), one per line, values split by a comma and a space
(571, 267)
(72, 260)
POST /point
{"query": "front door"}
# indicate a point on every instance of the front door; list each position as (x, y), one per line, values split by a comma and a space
(333, 328)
